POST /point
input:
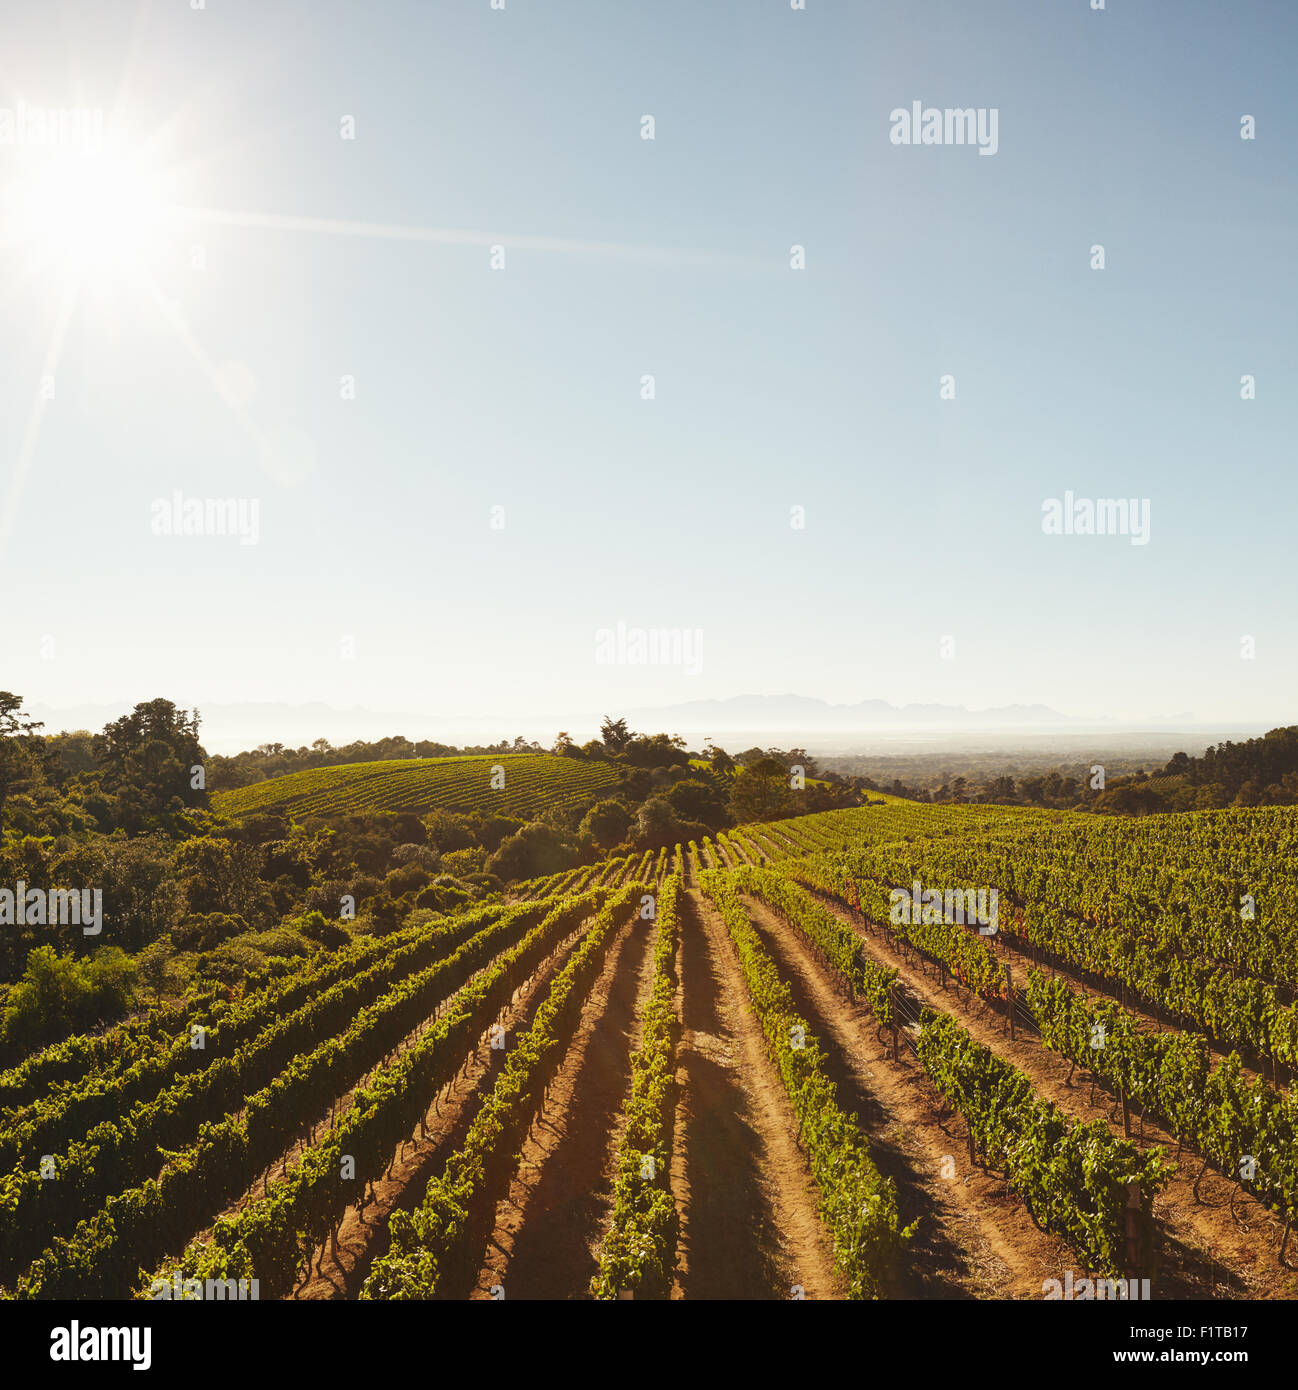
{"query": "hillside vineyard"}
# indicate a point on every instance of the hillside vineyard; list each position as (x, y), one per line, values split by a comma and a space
(521, 784)
(734, 1068)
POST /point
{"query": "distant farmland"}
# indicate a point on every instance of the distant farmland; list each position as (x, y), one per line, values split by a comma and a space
(532, 782)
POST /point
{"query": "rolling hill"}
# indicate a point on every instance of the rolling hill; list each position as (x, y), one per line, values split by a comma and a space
(531, 783)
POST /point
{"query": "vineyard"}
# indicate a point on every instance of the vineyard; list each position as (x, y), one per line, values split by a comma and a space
(511, 784)
(779, 1063)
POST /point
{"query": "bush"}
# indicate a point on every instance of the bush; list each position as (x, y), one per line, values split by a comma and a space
(328, 897)
(59, 995)
(406, 880)
(382, 916)
(416, 854)
(460, 862)
(444, 896)
(535, 851)
(315, 926)
(487, 884)
(606, 823)
(160, 969)
(204, 931)
(281, 941)
(232, 962)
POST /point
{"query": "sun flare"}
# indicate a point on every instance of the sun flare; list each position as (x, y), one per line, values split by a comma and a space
(97, 212)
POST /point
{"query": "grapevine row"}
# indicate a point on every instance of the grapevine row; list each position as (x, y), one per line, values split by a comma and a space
(140, 1224)
(50, 1124)
(857, 1204)
(639, 1249)
(1246, 1129)
(833, 940)
(272, 1236)
(1073, 1177)
(435, 1243)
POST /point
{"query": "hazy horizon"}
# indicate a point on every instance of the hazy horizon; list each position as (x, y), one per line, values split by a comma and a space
(228, 729)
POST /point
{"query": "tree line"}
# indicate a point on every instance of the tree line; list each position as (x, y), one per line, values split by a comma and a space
(1254, 772)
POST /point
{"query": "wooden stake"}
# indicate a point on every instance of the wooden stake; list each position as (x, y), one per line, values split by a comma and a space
(1135, 1231)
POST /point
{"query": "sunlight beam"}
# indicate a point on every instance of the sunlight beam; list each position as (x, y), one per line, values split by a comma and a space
(448, 236)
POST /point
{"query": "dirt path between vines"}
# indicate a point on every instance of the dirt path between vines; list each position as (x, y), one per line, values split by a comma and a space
(548, 1230)
(1206, 1252)
(749, 1228)
(362, 1238)
(975, 1238)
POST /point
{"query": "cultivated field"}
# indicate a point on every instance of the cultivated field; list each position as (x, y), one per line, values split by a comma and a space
(728, 1070)
(512, 784)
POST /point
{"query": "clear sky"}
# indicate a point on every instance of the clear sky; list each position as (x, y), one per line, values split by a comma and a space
(187, 329)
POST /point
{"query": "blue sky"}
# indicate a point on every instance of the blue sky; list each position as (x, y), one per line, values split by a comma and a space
(775, 388)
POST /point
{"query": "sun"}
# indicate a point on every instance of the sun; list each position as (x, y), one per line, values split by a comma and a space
(100, 211)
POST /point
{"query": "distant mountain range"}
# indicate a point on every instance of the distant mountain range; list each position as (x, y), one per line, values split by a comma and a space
(803, 712)
(782, 720)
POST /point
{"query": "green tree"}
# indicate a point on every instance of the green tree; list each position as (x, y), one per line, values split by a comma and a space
(607, 823)
(534, 851)
(760, 791)
(142, 897)
(721, 763)
(447, 831)
(700, 799)
(72, 753)
(656, 750)
(224, 876)
(147, 759)
(155, 965)
(615, 734)
(22, 751)
(204, 931)
(315, 926)
(657, 824)
(1001, 789)
(59, 995)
